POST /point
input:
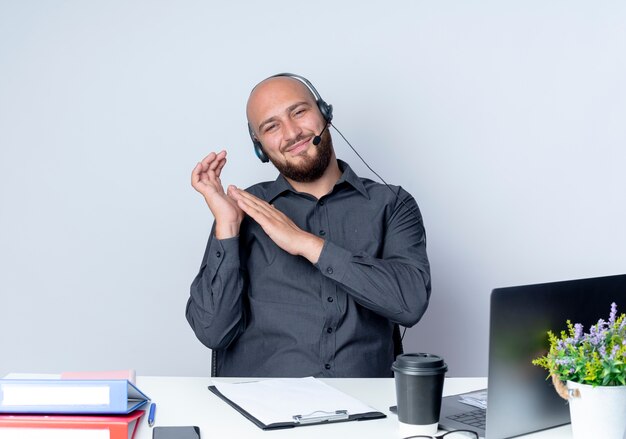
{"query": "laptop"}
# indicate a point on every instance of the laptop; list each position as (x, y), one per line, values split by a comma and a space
(519, 398)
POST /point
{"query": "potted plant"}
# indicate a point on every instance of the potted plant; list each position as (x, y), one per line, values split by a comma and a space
(588, 369)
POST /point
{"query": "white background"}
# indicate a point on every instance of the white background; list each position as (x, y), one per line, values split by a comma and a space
(505, 120)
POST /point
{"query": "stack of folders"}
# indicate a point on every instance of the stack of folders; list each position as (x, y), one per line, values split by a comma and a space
(53, 408)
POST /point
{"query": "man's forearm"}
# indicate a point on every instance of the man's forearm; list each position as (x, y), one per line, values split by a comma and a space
(215, 306)
(398, 290)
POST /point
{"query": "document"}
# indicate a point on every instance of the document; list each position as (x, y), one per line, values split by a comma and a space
(475, 399)
(290, 402)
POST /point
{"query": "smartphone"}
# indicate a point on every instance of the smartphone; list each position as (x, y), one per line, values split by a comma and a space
(188, 432)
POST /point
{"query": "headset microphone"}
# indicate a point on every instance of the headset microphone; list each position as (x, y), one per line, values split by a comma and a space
(317, 139)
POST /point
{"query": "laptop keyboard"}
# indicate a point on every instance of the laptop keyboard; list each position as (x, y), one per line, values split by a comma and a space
(475, 418)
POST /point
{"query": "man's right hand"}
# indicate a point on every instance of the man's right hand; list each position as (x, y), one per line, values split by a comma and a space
(205, 178)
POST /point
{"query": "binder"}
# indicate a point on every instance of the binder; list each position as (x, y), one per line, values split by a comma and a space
(296, 402)
(70, 396)
(123, 374)
(118, 374)
(70, 426)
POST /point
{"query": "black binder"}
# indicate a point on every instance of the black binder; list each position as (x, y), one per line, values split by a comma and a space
(302, 419)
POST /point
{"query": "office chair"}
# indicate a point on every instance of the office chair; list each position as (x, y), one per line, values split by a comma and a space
(213, 363)
(397, 350)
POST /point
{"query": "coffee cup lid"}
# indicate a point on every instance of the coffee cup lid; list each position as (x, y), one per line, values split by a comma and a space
(419, 364)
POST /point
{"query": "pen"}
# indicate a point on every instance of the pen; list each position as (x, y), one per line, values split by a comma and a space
(151, 414)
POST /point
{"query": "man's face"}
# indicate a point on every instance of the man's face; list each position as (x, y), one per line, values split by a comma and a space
(285, 118)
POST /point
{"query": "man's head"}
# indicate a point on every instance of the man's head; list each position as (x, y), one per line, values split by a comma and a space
(283, 115)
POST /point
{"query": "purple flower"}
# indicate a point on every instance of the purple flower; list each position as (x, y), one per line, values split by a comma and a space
(595, 338)
(613, 313)
(578, 332)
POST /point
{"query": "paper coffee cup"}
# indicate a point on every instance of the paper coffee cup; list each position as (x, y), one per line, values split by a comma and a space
(419, 387)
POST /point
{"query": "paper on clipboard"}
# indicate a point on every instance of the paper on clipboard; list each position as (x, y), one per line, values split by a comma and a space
(280, 400)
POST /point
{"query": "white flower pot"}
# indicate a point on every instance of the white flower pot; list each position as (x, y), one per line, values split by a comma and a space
(597, 412)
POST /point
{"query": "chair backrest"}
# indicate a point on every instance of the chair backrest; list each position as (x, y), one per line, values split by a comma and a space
(397, 350)
(213, 363)
(397, 341)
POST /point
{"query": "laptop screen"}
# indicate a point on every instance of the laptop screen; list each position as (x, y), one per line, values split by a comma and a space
(520, 399)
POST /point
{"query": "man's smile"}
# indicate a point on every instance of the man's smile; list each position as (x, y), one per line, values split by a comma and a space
(298, 147)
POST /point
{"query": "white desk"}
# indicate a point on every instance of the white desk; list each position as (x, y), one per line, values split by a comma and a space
(187, 401)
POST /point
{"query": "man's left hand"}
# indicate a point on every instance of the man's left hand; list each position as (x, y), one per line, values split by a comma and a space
(278, 226)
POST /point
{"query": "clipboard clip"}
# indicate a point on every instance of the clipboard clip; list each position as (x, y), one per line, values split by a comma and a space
(321, 416)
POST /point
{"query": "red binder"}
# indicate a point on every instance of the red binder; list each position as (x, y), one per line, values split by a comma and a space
(53, 426)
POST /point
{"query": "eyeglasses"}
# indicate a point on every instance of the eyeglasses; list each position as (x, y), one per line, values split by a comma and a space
(455, 434)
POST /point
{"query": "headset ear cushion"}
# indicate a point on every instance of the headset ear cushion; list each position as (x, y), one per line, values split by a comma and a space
(258, 148)
(326, 110)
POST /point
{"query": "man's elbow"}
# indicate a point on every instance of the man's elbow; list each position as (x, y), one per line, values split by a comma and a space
(208, 339)
(409, 319)
(207, 333)
(413, 313)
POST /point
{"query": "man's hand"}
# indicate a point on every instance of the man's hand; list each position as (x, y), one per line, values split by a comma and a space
(284, 232)
(205, 178)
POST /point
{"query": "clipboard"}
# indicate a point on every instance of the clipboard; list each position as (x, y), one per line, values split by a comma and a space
(353, 410)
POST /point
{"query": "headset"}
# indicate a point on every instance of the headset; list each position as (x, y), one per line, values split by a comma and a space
(325, 109)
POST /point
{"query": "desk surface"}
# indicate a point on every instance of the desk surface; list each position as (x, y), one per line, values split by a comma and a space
(187, 401)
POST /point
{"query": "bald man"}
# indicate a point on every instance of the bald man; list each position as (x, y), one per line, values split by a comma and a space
(310, 274)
